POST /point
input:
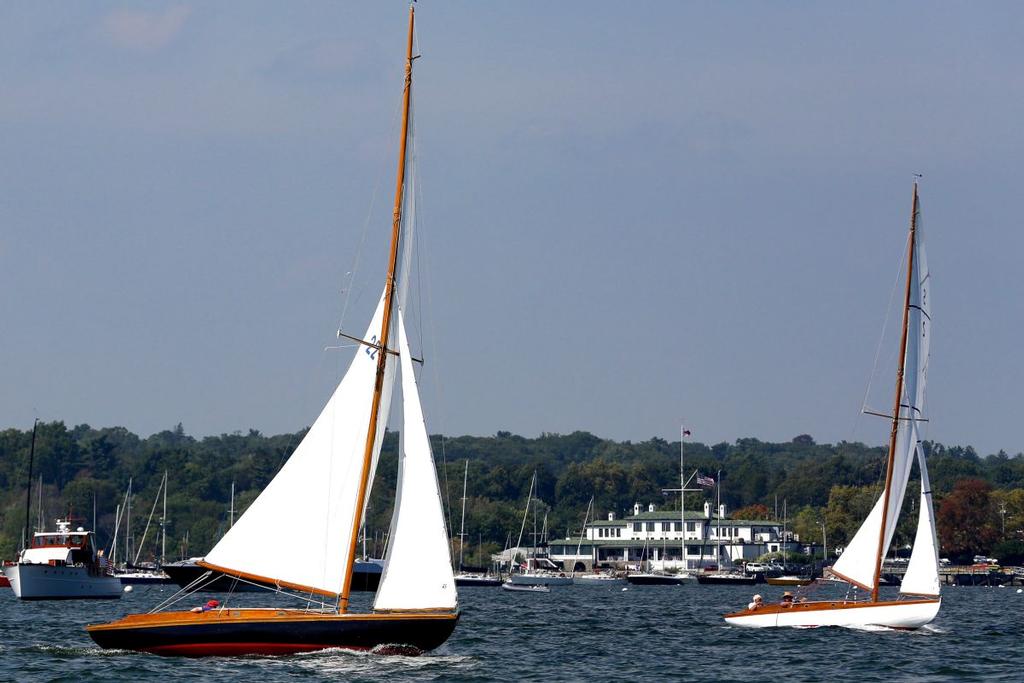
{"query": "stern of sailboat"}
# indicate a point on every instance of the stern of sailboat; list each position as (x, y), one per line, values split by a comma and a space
(274, 632)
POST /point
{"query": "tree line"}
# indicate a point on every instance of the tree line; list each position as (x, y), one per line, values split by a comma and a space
(85, 472)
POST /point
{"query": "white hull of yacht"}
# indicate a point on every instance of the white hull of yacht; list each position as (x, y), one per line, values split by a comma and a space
(597, 580)
(45, 582)
(900, 614)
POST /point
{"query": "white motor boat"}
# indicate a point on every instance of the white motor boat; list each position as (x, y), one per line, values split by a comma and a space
(62, 565)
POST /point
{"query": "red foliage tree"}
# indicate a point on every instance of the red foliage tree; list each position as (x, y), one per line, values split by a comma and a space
(965, 519)
(752, 512)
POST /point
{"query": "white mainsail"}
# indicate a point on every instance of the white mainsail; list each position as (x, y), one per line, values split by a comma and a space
(857, 563)
(418, 570)
(297, 532)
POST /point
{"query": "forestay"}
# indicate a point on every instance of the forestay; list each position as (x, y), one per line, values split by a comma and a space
(296, 533)
(857, 563)
(417, 570)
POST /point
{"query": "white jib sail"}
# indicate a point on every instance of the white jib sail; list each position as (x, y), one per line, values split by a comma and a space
(297, 532)
(922, 577)
(857, 563)
(418, 570)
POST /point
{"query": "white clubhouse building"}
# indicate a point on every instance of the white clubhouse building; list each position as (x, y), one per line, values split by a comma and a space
(659, 536)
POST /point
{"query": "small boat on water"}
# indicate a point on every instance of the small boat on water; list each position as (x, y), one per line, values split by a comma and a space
(471, 577)
(525, 588)
(62, 565)
(58, 565)
(540, 571)
(537, 570)
(475, 580)
(142, 576)
(658, 579)
(788, 581)
(860, 564)
(726, 579)
(597, 579)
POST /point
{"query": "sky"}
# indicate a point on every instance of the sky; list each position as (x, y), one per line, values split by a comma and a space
(632, 216)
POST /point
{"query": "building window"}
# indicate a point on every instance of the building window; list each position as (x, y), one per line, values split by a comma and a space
(677, 526)
(692, 550)
(638, 526)
(650, 526)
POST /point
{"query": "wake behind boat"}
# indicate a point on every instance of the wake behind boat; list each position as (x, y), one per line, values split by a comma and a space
(300, 535)
(861, 564)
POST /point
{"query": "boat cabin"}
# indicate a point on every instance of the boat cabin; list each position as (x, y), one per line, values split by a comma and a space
(61, 547)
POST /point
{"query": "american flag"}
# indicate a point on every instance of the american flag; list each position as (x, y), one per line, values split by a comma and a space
(705, 481)
(685, 432)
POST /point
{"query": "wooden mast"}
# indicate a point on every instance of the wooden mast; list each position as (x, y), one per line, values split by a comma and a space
(389, 295)
(901, 368)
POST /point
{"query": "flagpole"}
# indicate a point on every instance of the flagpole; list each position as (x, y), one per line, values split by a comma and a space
(683, 432)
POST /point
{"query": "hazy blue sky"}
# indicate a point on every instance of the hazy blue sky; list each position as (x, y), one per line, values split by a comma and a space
(633, 212)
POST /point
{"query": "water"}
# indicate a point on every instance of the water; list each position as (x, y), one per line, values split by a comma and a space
(572, 633)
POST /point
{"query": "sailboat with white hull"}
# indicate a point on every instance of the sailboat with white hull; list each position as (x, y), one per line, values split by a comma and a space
(300, 535)
(861, 563)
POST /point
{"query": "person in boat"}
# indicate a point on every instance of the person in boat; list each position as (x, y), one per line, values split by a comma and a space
(756, 603)
(210, 604)
(787, 599)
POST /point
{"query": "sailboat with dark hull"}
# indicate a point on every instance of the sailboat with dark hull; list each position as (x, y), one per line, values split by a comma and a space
(861, 564)
(300, 534)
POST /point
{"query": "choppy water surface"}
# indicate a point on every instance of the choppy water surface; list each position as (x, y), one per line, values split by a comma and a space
(572, 633)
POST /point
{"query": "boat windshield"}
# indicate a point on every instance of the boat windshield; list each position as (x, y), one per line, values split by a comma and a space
(60, 540)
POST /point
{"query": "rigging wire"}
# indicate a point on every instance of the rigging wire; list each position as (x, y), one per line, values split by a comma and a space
(421, 254)
(878, 348)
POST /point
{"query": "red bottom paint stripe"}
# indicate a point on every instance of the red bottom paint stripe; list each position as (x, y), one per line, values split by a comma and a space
(231, 649)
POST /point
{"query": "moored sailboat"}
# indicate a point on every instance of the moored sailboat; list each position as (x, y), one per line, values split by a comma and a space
(861, 564)
(300, 535)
